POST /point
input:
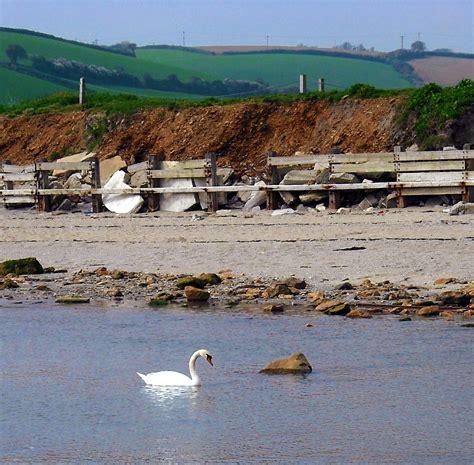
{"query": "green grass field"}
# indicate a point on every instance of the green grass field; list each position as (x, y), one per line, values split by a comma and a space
(278, 70)
(143, 92)
(16, 87)
(50, 48)
(281, 70)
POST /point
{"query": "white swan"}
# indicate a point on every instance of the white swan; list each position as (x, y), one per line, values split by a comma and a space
(173, 378)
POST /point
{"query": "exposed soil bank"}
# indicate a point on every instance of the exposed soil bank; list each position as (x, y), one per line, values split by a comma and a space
(240, 134)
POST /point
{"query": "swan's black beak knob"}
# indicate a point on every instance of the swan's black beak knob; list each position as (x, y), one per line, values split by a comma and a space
(209, 360)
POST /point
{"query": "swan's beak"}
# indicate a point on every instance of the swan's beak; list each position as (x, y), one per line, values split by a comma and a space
(209, 360)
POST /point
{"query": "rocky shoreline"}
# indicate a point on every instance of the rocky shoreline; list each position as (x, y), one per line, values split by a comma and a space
(449, 298)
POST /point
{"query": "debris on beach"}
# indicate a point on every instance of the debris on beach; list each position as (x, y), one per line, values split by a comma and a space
(121, 203)
(72, 299)
(451, 298)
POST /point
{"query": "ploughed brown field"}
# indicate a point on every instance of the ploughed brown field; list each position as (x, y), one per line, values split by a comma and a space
(443, 70)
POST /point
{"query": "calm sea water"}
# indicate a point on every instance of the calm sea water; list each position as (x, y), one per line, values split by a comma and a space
(382, 392)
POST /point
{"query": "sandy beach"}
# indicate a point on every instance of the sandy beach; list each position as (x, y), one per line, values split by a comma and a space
(410, 246)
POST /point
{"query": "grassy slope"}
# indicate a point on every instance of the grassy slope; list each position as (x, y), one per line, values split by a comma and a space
(282, 69)
(144, 92)
(50, 48)
(17, 87)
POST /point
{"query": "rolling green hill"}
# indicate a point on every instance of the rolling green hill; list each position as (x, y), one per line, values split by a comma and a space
(282, 70)
(16, 87)
(196, 74)
(51, 48)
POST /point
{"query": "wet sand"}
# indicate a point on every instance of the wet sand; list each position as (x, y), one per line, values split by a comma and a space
(410, 246)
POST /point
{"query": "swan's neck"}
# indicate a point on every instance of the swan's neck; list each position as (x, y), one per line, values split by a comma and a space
(192, 367)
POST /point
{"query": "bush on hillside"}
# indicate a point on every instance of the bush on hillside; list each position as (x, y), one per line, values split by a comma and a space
(433, 105)
(14, 52)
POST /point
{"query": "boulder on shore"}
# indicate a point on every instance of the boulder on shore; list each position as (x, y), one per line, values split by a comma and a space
(210, 278)
(28, 265)
(194, 294)
(193, 281)
(334, 307)
(296, 363)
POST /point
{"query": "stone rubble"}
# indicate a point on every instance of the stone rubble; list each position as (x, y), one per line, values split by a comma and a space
(449, 298)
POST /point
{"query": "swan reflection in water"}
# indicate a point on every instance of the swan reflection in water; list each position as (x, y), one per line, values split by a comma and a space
(168, 397)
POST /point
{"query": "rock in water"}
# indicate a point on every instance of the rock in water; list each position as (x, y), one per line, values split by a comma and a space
(273, 308)
(296, 363)
(28, 265)
(432, 310)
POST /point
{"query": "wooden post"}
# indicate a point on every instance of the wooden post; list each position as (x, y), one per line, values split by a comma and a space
(272, 171)
(334, 200)
(401, 201)
(210, 170)
(8, 184)
(82, 91)
(97, 205)
(42, 181)
(302, 83)
(468, 195)
(154, 162)
(321, 84)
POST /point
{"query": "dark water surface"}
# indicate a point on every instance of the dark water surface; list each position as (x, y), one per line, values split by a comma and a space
(382, 391)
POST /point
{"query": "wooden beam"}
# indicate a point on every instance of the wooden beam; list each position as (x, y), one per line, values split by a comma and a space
(26, 199)
(442, 165)
(297, 160)
(19, 177)
(434, 155)
(63, 165)
(360, 157)
(8, 168)
(177, 173)
(185, 164)
(436, 177)
(367, 167)
(432, 191)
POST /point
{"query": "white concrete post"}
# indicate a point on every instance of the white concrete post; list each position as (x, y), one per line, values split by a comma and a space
(302, 83)
(82, 91)
(321, 84)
